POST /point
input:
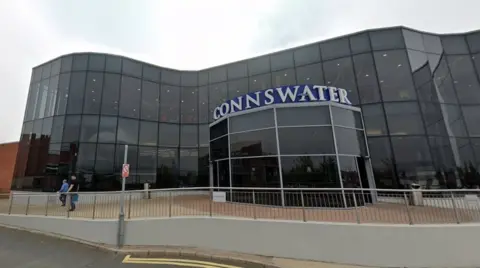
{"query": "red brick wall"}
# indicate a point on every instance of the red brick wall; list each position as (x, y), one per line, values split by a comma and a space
(8, 154)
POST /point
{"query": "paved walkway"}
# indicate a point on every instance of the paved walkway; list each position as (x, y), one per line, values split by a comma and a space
(201, 206)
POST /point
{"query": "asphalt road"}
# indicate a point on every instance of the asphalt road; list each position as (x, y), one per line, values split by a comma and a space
(21, 249)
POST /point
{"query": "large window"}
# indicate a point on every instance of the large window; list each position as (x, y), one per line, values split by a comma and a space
(306, 140)
(130, 97)
(111, 93)
(169, 104)
(150, 100)
(189, 105)
(76, 93)
(93, 93)
(339, 73)
(253, 143)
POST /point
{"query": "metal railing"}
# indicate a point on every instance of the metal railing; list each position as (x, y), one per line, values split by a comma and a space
(298, 204)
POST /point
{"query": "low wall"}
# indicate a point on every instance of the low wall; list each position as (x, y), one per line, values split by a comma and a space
(366, 244)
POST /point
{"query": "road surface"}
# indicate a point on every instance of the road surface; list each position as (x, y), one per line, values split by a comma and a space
(21, 249)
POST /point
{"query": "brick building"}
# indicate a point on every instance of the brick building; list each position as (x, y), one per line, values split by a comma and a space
(8, 153)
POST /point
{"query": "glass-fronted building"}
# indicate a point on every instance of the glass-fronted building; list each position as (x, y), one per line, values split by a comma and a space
(413, 117)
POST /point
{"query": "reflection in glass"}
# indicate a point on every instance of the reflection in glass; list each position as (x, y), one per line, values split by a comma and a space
(148, 133)
(189, 102)
(249, 121)
(374, 119)
(127, 132)
(150, 101)
(310, 74)
(167, 168)
(89, 129)
(299, 116)
(350, 141)
(404, 118)
(366, 78)
(255, 172)
(283, 78)
(254, 143)
(76, 93)
(93, 93)
(339, 73)
(306, 140)
(169, 104)
(310, 172)
(168, 135)
(130, 97)
(188, 169)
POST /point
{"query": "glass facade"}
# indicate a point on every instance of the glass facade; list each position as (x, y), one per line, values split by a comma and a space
(419, 94)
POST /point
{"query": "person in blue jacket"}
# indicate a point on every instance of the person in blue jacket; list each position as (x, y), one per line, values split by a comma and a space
(62, 191)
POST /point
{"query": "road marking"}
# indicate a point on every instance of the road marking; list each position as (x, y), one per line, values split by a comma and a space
(178, 262)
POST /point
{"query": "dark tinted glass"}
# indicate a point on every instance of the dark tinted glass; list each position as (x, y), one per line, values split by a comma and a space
(80, 62)
(259, 65)
(310, 171)
(57, 129)
(433, 118)
(256, 172)
(404, 118)
(237, 70)
(107, 130)
(382, 162)
(412, 157)
(283, 78)
(71, 130)
(394, 75)
(413, 40)
(203, 78)
(303, 116)
(93, 93)
(56, 66)
(374, 119)
(96, 62)
(445, 91)
(453, 118)
(37, 74)
(249, 121)
(151, 73)
(203, 111)
(89, 129)
(169, 103)
(171, 77)
(282, 60)
(189, 79)
(189, 108)
(52, 96)
(167, 168)
(130, 95)
(360, 43)
(66, 64)
(189, 135)
(237, 88)
(132, 68)
(260, 82)
(46, 70)
(254, 143)
(306, 140)
(147, 164)
(63, 91)
(310, 74)
(127, 132)
(113, 64)
(148, 133)
(472, 119)
(219, 129)
(464, 79)
(41, 99)
(346, 118)
(442, 154)
(432, 44)
(217, 75)
(204, 135)
(387, 39)
(472, 39)
(31, 101)
(217, 96)
(150, 100)
(366, 78)
(306, 55)
(168, 135)
(104, 160)
(454, 44)
(350, 141)
(37, 129)
(333, 49)
(47, 127)
(339, 73)
(111, 91)
(219, 148)
(86, 158)
(75, 95)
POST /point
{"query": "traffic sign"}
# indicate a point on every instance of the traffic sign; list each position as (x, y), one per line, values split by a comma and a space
(125, 170)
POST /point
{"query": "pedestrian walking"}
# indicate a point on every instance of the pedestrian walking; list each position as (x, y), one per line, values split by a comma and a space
(63, 192)
(73, 191)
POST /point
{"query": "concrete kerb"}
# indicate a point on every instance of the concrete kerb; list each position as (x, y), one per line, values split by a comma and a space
(166, 251)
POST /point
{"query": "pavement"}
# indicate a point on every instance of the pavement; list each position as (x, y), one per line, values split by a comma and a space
(25, 249)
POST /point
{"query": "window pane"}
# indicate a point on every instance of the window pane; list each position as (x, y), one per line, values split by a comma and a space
(96, 62)
(333, 49)
(41, 100)
(93, 93)
(37, 129)
(237, 70)
(47, 127)
(168, 135)
(86, 158)
(387, 39)
(171, 77)
(151, 73)
(130, 97)
(218, 129)
(189, 79)
(189, 168)
(249, 121)
(283, 78)
(132, 68)
(75, 95)
(306, 55)
(57, 129)
(303, 116)
(111, 91)
(443, 83)
(189, 135)
(66, 64)
(260, 82)
(31, 102)
(63, 90)
(237, 88)
(105, 159)
(148, 133)
(374, 119)
(464, 79)
(433, 117)
(113, 64)
(127, 131)
(254, 143)
(350, 141)
(56, 67)
(204, 135)
(189, 108)
(413, 40)
(473, 42)
(169, 103)
(472, 119)
(310, 171)
(71, 131)
(219, 148)
(366, 78)
(259, 65)
(346, 118)
(432, 44)
(310, 74)
(89, 129)
(52, 96)
(306, 140)
(394, 75)
(256, 172)
(454, 120)
(203, 78)
(147, 164)
(454, 44)
(203, 111)
(404, 118)
(442, 154)
(80, 62)
(131, 159)
(360, 43)
(107, 129)
(150, 100)
(382, 162)
(217, 96)
(217, 75)
(413, 159)
(282, 60)
(339, 73)
(167, 168)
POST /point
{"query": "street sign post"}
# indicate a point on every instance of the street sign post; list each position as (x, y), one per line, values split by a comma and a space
(125, 170)
(121, 216)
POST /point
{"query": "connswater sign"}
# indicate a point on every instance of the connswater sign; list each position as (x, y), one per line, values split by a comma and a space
(285, 94)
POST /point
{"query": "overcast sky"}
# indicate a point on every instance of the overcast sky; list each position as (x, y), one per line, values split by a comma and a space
(191, 34)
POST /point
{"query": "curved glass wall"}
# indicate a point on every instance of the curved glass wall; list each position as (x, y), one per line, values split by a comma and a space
(321, 145)
(419, 94)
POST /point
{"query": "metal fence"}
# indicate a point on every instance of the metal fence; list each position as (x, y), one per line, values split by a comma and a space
(306, 204)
